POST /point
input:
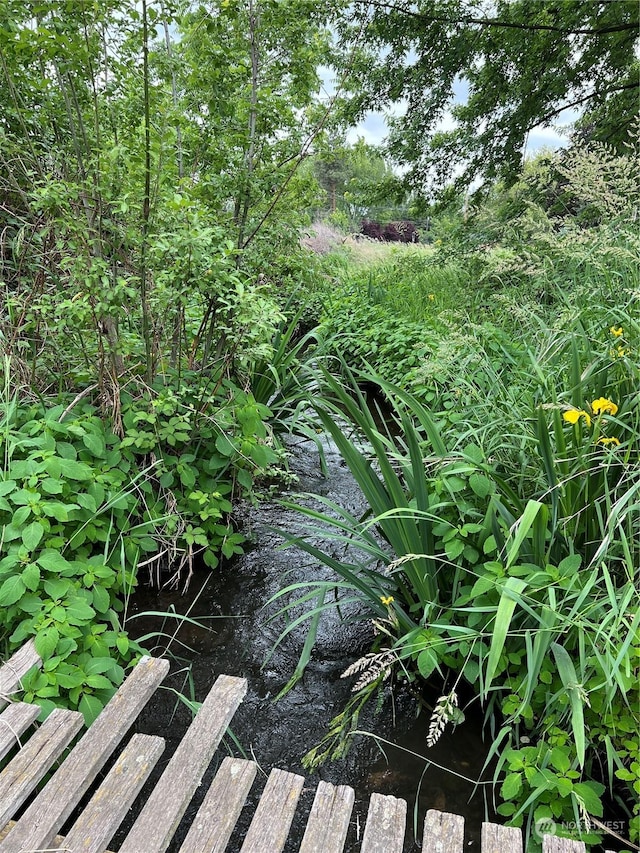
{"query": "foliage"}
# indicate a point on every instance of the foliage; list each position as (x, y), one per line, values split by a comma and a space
(501, 544)
(501, 69)
(83, 510)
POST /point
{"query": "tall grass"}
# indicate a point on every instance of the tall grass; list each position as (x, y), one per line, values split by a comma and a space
(502, 543)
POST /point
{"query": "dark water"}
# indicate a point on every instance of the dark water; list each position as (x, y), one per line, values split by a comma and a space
(236, 637)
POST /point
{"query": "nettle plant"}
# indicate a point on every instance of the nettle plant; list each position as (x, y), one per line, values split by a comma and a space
(82, 510)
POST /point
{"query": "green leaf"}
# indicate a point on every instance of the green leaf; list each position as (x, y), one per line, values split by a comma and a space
(224, 446)
(90, 707)
(94, 443)
(531, 511)
(52, 561)
(122, 644)
(51, 486)
(101, 599)
(12, 590)
(511, 786)
(590, 793)
(57, 510)
(79, 612)
(75, 470)
(453, 548)
(20, 516)
(7, 486)
(46, 641)
(427, 662)
(570, 681)
(570, 565)
(31, 576)
(481, 486)
(57, 588)
(511, 593)
(32, 535)
(99, 682)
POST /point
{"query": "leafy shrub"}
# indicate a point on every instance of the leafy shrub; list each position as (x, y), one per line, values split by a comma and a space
(82, 508)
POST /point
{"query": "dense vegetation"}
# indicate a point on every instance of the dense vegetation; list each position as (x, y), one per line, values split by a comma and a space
(503, 542)
(162, 324)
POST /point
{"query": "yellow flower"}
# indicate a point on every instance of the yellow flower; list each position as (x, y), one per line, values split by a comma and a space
(613, 440)
(574, 415)
(616, 331)
(386, 600)
(601, 406)
(432, 296)
(621, 351)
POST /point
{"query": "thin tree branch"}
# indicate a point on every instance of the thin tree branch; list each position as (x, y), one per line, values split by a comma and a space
(579, 101)
(495, 22)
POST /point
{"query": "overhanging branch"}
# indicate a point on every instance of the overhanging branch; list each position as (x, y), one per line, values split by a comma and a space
(495, 22)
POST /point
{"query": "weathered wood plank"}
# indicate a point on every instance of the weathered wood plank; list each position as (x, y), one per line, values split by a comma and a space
(211, 830)
(385, 826)
(328, 822)
(14, 721)
(98, 823)
(443, 832)
(40, 823)
(21, 776)
(18, 665)
(167, 803)
(498, 839)
(551, 844)
(272, 820)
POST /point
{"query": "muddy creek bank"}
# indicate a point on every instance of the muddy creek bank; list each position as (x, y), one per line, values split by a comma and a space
(235, 636)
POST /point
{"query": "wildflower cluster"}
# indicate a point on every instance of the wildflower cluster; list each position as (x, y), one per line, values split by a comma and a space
(601, 406)
(618, 351)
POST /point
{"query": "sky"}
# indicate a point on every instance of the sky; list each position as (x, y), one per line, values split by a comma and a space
(373, 128)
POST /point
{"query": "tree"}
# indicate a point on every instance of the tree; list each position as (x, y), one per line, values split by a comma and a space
(522, 63)
(352, 176)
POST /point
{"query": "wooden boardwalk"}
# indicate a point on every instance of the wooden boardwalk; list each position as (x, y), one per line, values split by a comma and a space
(107, 797)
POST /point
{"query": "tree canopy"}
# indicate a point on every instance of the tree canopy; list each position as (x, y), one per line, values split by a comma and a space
(522, 64)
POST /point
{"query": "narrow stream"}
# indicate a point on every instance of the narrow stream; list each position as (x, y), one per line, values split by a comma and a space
(236, 638)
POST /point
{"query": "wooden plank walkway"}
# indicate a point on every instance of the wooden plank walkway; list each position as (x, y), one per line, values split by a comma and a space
(51, 805)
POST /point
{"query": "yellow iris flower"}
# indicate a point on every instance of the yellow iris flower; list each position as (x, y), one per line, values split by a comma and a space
(574, 415)
(602, 406)
(387, 600)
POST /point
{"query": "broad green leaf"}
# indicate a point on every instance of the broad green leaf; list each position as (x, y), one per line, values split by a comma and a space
(511, 786)
(101, 599)
(32, 535)
(52, 486)
(11, 590)
(57, 588)
(482, 486)
(31, 576)
(20, 516)
(75, 470)
(79, 612)
(94, 443)
(590, 793)
(7, 486)
(52, 561)
(90, 707)
(427, 662)
(46, 642)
